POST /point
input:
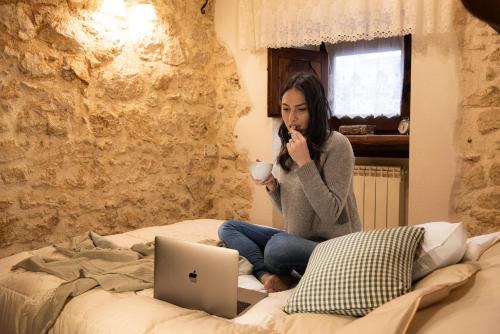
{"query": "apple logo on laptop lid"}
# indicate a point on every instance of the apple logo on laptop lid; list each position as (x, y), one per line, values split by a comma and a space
(193, 276)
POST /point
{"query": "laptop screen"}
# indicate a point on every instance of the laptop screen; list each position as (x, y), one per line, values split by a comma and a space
(196, 276)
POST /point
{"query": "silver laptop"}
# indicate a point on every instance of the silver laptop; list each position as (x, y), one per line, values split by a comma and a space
(202, 277)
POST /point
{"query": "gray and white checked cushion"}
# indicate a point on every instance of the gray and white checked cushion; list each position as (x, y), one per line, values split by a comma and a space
(356, 273)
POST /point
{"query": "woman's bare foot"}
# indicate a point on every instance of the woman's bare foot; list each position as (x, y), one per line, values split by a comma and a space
(276, 283)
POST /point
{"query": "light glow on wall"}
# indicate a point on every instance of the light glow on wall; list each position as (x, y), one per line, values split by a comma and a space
(119, 21)
(141, 21)
(113, 8)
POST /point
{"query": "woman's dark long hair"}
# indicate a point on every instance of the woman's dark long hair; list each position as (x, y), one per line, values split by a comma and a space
(319, 112)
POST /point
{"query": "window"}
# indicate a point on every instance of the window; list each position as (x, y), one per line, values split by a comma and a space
(369, 83)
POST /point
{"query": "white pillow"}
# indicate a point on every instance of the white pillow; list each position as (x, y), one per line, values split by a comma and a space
(478, 244)
(443, 244)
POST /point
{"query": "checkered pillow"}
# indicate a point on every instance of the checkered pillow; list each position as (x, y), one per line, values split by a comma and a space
(356, 273)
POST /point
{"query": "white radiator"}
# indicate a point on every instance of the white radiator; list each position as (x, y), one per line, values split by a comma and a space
(380, 199)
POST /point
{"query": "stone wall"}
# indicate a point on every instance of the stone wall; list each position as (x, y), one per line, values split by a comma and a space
(104, 131)
(477, 196)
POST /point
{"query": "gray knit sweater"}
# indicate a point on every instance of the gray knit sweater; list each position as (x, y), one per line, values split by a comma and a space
(319, 202)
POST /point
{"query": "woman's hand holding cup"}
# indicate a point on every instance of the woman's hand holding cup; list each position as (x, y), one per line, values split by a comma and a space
(269, 182)
(262, 174)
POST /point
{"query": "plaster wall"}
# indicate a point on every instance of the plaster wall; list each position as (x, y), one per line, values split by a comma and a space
(454, 152)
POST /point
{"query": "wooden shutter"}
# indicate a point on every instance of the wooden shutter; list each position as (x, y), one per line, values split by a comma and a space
(283, 63)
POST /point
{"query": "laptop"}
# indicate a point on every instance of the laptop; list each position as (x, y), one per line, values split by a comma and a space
(201, 277)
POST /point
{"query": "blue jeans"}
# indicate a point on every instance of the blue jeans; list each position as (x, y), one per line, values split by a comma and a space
(268, 249)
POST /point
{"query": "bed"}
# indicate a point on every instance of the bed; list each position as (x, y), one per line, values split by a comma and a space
(460, 298)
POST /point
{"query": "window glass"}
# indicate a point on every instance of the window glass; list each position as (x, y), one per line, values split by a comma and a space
(366, 78)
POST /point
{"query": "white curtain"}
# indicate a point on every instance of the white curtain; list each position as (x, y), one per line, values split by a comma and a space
(295, 23)
(367, 77)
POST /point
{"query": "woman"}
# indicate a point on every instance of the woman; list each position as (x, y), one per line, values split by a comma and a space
(313, 189)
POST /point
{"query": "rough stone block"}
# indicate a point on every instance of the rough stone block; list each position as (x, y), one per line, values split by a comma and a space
(490, 199)
(10, 151)
(161, 80)
(5, 204)
(488, 97)
(122, 87)
(13, 175)
(9, 90)
(150, 48)
(63, 37)
(484, 221)
(16, 19)
(139, 125)
(489, 120)
(35, 66)
(475, 178)
(77, 180)
(495, 55)
(173, 53)
(495, 173)
(104, 124)
(4, 126)
(31, 123)
(80, 67)
(56, 126)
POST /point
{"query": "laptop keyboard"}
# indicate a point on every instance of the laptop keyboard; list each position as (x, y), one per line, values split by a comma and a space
(241, 306)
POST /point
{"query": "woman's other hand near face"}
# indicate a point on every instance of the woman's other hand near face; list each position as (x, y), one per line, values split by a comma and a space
(297, 148)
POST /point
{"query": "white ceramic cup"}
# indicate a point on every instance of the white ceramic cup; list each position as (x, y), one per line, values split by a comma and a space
(261, 170)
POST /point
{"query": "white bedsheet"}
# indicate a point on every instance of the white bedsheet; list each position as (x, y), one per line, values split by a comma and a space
(98, 311)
